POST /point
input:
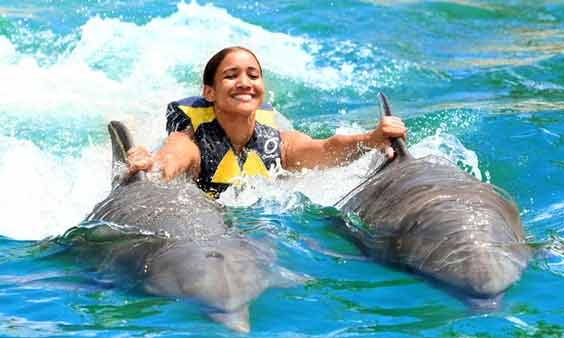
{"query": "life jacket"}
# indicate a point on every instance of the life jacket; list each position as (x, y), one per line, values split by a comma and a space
(220, 165)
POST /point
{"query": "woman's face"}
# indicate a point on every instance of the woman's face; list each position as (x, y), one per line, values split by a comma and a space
(238, 84)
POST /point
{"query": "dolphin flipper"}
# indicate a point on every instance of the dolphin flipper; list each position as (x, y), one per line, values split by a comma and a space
(328, 252)
(121, 143)
(284, 278)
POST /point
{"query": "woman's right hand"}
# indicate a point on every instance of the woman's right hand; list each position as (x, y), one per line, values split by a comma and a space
(179, 154)
(170, 165)
(139, 159)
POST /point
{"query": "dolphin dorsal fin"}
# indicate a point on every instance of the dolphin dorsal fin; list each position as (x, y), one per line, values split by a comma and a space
(121, 143)
(398, 144)
(400, 150)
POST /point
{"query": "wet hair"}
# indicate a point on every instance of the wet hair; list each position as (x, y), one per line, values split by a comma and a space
(215, 61)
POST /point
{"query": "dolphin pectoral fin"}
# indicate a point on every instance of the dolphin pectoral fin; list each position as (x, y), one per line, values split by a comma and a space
(484, 305)
(284, 278)
(237, 320)
(327, 252)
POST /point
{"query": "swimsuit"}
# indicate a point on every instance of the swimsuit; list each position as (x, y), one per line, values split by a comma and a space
(221, 165)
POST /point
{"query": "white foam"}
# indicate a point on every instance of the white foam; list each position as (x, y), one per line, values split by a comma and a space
(322, 187)
(7, 50)
(43, 195)
(449, 147)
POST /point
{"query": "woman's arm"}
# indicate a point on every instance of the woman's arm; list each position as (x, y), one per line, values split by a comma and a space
(178, 154)
(301, 151)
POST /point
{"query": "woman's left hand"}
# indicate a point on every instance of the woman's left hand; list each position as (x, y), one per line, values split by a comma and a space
(389, 127)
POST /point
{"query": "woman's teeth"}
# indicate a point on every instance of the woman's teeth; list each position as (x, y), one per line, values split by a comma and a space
(243, 97)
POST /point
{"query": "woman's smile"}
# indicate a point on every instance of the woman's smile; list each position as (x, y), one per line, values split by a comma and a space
(238, 85)
(243, 97)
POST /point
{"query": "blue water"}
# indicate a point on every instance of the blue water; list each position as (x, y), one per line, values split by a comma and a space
(479, 82)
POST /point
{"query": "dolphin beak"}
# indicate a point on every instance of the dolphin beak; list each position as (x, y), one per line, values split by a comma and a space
(241, 327)
(237, 320)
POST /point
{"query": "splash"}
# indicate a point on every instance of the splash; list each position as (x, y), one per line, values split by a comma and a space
(449, 147)
(326, 187)
(43, 195)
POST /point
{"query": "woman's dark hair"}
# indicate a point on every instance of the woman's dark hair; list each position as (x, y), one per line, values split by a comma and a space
(213, 63)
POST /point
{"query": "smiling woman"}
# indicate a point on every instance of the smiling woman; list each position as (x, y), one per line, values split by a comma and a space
(233, 80)
(222, 136)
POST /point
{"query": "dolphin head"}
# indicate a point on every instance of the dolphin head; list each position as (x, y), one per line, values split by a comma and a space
(439, 221)
(461, 231)
(223, 274)
(469, 247)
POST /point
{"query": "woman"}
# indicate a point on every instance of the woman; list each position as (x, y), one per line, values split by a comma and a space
(221, 139)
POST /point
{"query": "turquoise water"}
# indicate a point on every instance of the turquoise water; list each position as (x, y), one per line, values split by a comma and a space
(479, 82)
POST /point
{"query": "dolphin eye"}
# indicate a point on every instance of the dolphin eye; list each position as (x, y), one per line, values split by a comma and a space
(214, 254)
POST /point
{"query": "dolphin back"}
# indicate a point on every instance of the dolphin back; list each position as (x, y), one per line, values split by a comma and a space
(437, 220)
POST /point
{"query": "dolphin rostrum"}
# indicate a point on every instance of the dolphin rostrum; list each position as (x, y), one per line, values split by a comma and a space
(432, 218)
(173, 239)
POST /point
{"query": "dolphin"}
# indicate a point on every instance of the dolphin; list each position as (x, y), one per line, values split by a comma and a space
(173, 239)
(430, 217)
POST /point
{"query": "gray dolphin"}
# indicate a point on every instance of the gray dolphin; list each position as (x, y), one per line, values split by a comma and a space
(431, 217)
(173, 239)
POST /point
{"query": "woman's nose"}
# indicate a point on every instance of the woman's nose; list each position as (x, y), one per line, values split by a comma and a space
(244, 82)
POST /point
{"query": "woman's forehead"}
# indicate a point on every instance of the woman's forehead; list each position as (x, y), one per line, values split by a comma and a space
(239, 59)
